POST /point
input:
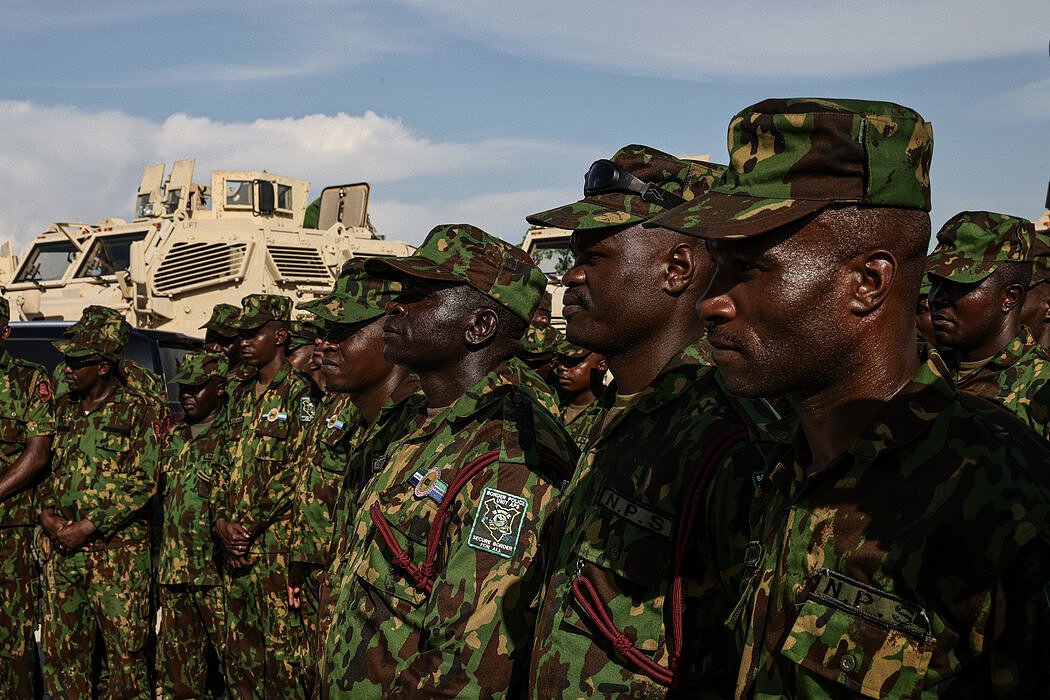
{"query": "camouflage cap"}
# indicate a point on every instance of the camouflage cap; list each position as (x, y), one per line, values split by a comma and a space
(546, 304)
(302, 333)
(91, 341)
(567, 349)
(196, 368)
(5, 310)
(221, 318)
(1040, 255)
(972, 244)
(357, 296)
(259, 309)
(541, 339)
(465, 253)
(789, 158)
(96, 316)
(684, 178)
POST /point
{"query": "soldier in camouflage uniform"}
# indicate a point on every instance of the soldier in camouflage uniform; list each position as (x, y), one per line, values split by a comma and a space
(581, 377)
(979, 273)
(104, 473)
(373, 398)
(436, 593)
(646, 545)
(1035, 313)
(27, 425)
(268, 412)
(302, 339)
(137, 378)
(900, 535)
(220, 337)
(188, 568)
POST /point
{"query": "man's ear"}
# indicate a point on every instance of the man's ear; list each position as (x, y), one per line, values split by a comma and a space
(280, 336)
(872, 277)
(1010, 297)
(483, 324)
(680, 267)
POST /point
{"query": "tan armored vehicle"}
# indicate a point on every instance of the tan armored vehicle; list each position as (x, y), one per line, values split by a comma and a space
(549, 248)
(191, 246)
(1043, 222)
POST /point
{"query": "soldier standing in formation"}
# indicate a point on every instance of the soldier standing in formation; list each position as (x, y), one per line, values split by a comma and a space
(899, 536)
(581, 376)
(979, 272)
(28, 426)
(1035, 313)
(192, 610)
(104, 473)
(268, 412)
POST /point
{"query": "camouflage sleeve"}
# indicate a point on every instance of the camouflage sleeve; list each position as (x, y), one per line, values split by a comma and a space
(481, 613)
(127, 473)
(311, 504)
(1020, 612)
(38, 409)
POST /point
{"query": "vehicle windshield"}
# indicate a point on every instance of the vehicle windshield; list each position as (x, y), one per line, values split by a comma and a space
(554, 259)
(109, 254)
(47, 261)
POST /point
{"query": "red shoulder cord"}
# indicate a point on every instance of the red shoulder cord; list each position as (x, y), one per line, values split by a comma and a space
(587, 595)
(424, 575)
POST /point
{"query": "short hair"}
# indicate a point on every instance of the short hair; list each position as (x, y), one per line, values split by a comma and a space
(509, 324)
(1013, 272)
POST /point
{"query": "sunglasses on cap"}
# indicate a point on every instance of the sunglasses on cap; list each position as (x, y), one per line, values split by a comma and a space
(82, 362)
(336, 333)
(605, 177)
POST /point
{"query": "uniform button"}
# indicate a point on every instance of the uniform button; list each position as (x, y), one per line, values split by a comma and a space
(847, 663)
(614, 552)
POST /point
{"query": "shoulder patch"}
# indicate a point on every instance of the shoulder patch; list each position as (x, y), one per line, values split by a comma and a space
(307, 410)
(43, 389)
(497, 524)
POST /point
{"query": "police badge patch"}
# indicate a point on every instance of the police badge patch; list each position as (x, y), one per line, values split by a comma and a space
(307, 410)
(497, 523)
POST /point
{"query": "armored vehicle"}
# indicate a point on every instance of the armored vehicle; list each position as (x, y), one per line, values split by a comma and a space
(190, 246)
(550, 249)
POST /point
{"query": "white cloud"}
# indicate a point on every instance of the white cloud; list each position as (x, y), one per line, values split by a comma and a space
(1031, 101)
(66, 164)
(691, 39)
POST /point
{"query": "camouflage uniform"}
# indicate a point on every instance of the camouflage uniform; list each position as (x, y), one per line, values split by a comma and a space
(188, 568)
(477, 479)
(970, 247)
(913, 564)
(25, 412)
(138, 379)
(104, 469)
(265, 444)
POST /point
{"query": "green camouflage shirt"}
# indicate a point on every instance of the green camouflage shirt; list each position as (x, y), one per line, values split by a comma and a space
(264, 447)
(1018, 378)
(188, 552)
(25, 412)
(617, 529)
(326, 441)
(471, 633)
(583, 426)
(104, 464)
(913, 566)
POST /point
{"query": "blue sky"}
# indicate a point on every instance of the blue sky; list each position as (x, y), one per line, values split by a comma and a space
(483, 111)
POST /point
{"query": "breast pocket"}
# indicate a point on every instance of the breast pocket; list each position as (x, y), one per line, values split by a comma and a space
(111, 448)
(272, 441)
(629, 568)
(870, 642)
(12, 437)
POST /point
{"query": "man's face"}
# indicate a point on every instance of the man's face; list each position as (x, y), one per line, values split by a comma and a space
(965, 316)
(227, 346)
(261, 345)
(352, 356)
(1036, 305)
(612, 296)
(424, 326)
(923, 321)
(200, 400)
(576, 373)
(773, 317)
(83, 373)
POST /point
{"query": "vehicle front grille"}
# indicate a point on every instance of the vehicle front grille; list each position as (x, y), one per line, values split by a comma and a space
(189, 265)
(298, 264)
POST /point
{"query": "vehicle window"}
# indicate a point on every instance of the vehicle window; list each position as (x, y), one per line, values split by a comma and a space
(47, 261)
(109, 254)
(238, 193)
(553, 259)
(284, 197)
(142, 206)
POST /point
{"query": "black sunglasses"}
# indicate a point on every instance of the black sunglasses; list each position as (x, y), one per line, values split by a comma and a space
(605, 176)
(336, 333)
(80, 362)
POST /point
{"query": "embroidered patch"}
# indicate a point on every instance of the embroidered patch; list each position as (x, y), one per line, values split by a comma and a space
(333, 422)
(275, 414)
(307, 410)
(640, 515)
(497, 523)
(756, 478)
(871, 603)
(428, 483)
(43, 389)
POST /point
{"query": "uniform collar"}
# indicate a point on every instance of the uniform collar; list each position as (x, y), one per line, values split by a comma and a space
(676, 377)
(503, 379)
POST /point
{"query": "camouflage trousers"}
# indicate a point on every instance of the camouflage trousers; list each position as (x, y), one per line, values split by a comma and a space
(264, 637)
(102, 593)
(192, 620)
(19, 672)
